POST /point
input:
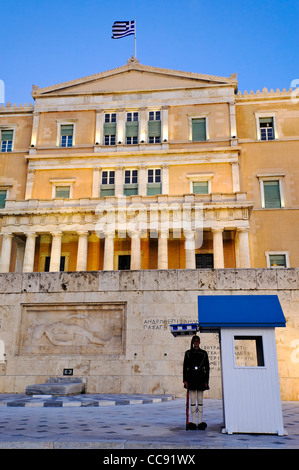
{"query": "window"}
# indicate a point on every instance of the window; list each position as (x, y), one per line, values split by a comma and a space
(132, 128)
(278, 259)
(62, 192)
(272, 197)
(131, 182)
(154, 127)
(62, 188)
(249, 351)
(200, 187)
(108, 177)
(110, 117)
(132, 117)
(199, 133)
(204, 261)
(131, 176)
(110, 129)
(154, 116)
(66, 135)
(3, 196)
(108, 183)
(272, 194)
(200, 183)
(267, 128)
(6, 140)
(154, 184)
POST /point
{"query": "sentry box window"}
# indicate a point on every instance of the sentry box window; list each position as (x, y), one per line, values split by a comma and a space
(249, 351)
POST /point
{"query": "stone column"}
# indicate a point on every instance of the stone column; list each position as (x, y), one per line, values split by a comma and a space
(232, 116)
(119, 181)
(143, 126)
(218, 248)
(96, 182)
(165, 178)
(34, 128)
(244, 255)
(164, 135)
(109, 252)
(55, 252)
(135, 250)
(29, 253)
(190, 249)
(82, 251)
(6, 252)
(99, 127)
(163, 249)
(236, 177)
(29, 184)
(142, 180)
(121, 127)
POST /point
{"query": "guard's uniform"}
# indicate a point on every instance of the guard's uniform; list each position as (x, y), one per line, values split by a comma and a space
(196, 372)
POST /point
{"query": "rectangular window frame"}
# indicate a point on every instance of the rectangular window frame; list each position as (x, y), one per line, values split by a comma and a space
(9, 144)
(200, 178)
(264, 115)
(110, 129)
(132, 128)
(107, 187)
(154, 181)
(3, 197)
(154, 126)
(56, 183)
(286, 254)
(130, 187)
(259, 352)
(191, 118)
(62, 123)
(65, 189)
(274, 177)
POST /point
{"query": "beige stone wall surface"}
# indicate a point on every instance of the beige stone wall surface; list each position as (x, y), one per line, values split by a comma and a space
(113, 327)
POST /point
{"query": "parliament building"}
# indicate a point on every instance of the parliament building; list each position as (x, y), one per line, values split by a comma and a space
(141, 168)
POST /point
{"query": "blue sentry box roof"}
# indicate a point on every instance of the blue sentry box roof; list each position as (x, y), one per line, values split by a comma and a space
(215, 311)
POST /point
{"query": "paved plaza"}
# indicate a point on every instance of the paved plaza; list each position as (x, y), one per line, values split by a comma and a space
(126, 422)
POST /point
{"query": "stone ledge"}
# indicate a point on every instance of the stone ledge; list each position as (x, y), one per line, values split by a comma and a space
(150, 280)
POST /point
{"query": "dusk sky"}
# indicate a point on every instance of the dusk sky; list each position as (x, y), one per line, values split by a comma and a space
(48, 42)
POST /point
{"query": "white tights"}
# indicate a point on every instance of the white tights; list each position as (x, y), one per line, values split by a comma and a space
(196, 399)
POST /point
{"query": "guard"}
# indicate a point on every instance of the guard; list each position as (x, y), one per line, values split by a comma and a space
(196, 372)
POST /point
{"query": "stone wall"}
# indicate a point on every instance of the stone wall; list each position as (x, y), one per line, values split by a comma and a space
(113, 327)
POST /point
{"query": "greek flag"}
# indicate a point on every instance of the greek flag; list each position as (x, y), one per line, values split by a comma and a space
(121, 29)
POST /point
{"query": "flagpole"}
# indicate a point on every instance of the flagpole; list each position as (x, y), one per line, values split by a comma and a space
(135, 37)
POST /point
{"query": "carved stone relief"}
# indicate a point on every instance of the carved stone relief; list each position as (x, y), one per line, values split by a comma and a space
(91, 328)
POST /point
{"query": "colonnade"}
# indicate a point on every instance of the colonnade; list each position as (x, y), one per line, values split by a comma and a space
(242, 250)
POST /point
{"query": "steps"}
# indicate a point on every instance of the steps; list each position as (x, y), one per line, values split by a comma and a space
(60, 386)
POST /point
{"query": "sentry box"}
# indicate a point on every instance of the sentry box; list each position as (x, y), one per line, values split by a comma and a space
(250, 380)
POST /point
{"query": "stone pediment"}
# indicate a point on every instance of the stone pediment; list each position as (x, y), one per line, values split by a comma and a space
(134, 77)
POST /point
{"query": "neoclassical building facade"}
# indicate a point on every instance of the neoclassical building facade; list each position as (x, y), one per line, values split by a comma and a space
(147, 168)
(126, 195)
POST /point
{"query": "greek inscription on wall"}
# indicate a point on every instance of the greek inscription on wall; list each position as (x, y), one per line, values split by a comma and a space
(163, 323)
(209, 342)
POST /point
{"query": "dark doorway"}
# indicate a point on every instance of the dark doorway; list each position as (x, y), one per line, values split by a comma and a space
(62, 263)
(204, 261)
(124, 262)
